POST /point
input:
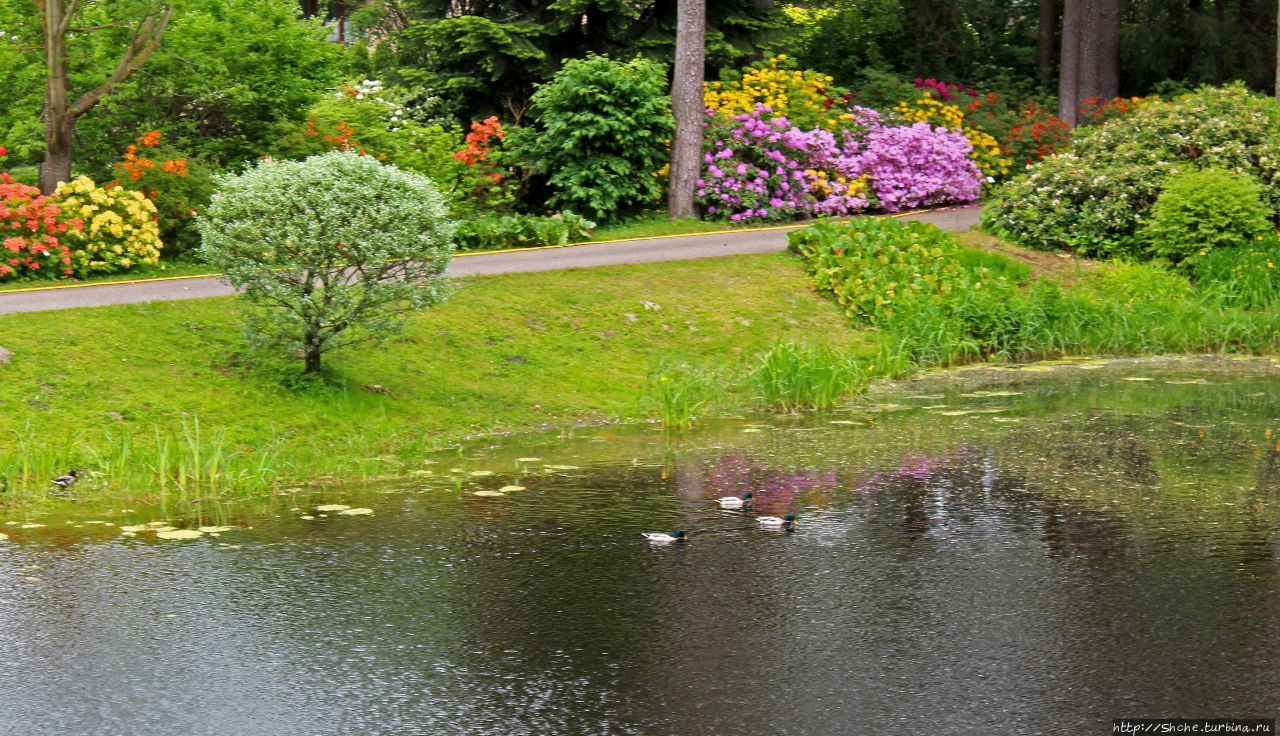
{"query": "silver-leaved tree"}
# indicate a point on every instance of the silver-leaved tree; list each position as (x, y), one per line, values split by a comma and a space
(328, 251)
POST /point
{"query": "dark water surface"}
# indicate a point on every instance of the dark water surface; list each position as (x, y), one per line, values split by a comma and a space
(1093, 547)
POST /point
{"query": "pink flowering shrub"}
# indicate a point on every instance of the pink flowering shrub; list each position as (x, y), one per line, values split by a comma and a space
(759, 166)
(29, 230)
(917, 166)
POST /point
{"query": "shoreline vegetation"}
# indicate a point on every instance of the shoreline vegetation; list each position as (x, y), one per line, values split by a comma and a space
(162, 403)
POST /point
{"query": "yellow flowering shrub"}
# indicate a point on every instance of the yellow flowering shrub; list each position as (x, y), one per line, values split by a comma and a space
(112, 229)
(986, 149)
(804, 97)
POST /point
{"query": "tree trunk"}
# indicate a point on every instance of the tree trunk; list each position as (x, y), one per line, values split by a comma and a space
(1090, 55)
(1069, 68)
(60, 113)
(688, 106)
(57, 123)
(1278, 52)
(1048, 33)
(313, 361)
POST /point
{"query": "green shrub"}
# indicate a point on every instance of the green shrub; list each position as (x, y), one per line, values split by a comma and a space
(329, 250)
(871, 265)
(1094, 198)
(602, 133)
(1204, 210)
(1246, 276)
(522, 231)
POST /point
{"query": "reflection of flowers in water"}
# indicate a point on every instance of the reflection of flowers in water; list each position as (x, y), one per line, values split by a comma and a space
(915, 470)
(774, 489)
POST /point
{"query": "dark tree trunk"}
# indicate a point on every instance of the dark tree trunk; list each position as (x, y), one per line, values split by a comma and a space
(1069, 67)
(688, 106)
(1090, 55)
(1048, 33)
(1278, 52)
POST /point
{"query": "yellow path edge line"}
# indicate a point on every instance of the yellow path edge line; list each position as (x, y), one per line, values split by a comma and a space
(157, 279)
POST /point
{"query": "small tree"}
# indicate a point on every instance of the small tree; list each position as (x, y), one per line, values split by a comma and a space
(324, 245)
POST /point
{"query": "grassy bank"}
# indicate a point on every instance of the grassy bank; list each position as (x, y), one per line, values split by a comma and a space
(161, 397)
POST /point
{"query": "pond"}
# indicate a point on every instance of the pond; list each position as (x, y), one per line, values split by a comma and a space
(984, 552)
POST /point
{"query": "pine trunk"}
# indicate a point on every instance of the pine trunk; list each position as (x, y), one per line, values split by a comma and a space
(1048, 33)
(688, 107)
(1090, 55)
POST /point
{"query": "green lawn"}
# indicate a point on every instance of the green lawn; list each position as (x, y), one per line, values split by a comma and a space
(120, 389)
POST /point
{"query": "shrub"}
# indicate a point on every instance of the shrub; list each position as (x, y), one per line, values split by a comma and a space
(1204, 210)
(367, 117)
(918, 166)
(522, 231)
(984, 148)
(806, 98)
(178, 186)
(873, 265)
(603, 128)
(759, 166)
(330, 250)
(29, 233)
(112, 229)
(1095, 197)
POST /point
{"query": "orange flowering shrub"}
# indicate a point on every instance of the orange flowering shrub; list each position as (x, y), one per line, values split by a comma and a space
(178, 187)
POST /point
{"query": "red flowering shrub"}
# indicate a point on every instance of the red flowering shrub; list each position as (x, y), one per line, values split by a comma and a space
(1036, 134)
(1096, 111)
(29, 228)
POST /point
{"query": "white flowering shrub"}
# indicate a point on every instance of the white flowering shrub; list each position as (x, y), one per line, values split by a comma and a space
(329, 250)
(1096, 197)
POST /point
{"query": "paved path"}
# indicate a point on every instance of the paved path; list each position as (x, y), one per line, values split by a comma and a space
(685, 247)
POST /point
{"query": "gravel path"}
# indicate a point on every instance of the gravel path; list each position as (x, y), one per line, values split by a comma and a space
(588, 255)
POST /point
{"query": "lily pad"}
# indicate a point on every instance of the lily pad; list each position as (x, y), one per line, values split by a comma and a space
(481, 473)
(135, 528)
(307, 518)
(30, 525)
(1137, 378)
(214, 529)
(528, 459)
(487, 494)
(561, 467)
(508, 489)
(333, 507)
(179, 534)
(162, 529)
(356, 512)
(3, 536)
(157, 523)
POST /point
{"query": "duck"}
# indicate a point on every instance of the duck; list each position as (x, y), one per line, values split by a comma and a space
(734, 502)
(66, 481)
(774, 522)
(662, 538)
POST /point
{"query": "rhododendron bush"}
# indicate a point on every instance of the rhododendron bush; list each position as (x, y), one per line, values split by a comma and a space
(112, 229)
(29, 230)
(759, 166)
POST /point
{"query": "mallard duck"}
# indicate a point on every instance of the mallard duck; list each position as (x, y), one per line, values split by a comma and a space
(775, 522)
(734, 502)
(661, 538)
(66, 481)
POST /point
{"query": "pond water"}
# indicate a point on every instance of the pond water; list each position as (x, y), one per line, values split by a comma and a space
(990, 552)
